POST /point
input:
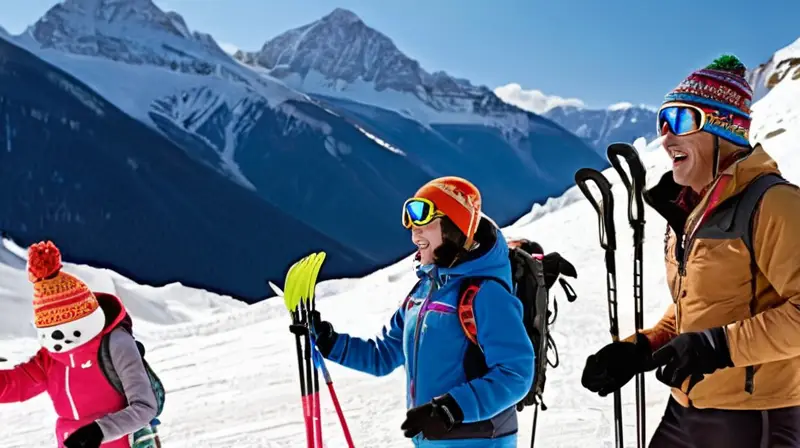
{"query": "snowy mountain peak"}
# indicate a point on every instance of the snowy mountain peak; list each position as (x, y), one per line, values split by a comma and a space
(341, 56)
(130, 31)
(342, 16)
(83, 25)
(339, 46)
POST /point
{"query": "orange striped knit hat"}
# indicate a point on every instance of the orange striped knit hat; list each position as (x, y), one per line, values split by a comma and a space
(457, 198)
(58, 297)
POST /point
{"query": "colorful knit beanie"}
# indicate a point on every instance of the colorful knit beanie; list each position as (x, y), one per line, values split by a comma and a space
(724, 94)
(457, 198)
(58, 297)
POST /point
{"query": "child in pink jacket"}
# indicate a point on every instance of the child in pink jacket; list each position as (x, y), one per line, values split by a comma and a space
(71, 321)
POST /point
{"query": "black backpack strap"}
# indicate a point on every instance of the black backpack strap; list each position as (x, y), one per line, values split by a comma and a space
(744, 223)
(749, 202)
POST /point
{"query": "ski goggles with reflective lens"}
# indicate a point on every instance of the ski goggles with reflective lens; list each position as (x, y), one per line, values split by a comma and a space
(419, 212)
(681, 118)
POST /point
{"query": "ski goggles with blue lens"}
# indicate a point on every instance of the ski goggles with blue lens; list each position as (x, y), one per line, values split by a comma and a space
(419, 212)
(681, 118)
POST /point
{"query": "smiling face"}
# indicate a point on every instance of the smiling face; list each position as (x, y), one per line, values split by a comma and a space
(692, 158)
(427, 238)
(69, 336)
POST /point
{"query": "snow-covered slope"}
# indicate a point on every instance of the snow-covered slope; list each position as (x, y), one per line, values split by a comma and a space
(233, 382)
(784, 63)
(154, 308)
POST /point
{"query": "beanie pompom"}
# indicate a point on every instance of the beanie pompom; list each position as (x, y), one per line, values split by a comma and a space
(44, 260)
(728, 63)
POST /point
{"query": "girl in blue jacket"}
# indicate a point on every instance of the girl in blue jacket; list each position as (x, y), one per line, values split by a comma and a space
(458, 394)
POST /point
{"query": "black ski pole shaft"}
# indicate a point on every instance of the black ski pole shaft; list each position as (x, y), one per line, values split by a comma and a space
(635, 185)
(309, 367)
(297, 329)
(608, 241)
(535, 418)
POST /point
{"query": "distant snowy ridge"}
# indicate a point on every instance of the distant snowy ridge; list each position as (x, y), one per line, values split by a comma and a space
(622, 121)
(784, 63)
(340, 56)
(626, 105)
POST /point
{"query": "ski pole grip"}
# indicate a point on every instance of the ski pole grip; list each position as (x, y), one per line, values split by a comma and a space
(635, 183)
(604, 208)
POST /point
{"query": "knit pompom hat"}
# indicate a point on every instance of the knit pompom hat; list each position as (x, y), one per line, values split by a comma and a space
(58, 297)
(722, 91)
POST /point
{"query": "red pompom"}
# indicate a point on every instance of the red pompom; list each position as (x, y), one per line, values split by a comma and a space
(44, 260)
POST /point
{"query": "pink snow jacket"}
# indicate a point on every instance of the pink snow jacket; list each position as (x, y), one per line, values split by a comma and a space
(78, 388)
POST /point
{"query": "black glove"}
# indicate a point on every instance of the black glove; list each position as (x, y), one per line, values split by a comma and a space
(615, 364)
(434, 419)
(692, 354)
(324, 334)
(89, 436)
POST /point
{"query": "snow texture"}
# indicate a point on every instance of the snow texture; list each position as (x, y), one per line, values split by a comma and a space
(782, 64)
(230, 370)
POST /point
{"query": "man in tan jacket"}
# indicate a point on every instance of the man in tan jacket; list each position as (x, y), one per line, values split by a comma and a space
(729, 344)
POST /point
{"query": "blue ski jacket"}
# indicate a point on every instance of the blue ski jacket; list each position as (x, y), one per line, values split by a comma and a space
(426, 337)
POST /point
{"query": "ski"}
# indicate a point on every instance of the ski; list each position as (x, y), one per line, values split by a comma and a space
(635, 185)
(297, 328)
(607, 234)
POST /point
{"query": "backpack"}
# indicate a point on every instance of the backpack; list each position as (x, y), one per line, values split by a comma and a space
(533, 274)
(146, 437)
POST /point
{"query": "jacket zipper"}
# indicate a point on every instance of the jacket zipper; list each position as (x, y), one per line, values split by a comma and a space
(69, 391)
(417, 327)
(687, 241)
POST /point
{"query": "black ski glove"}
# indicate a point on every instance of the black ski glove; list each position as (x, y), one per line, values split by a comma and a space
(434, 419)
(324, 334)
(692, 354)
(89, 436)
(615, 364)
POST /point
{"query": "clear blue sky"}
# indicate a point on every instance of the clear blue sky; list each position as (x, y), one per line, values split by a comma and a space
(602, 52)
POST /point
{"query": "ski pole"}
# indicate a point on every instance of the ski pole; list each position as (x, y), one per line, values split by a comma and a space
(635, 186)
(607, 233)
(311, 378)
(297, 329)
(319, 360)
(309, 306)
